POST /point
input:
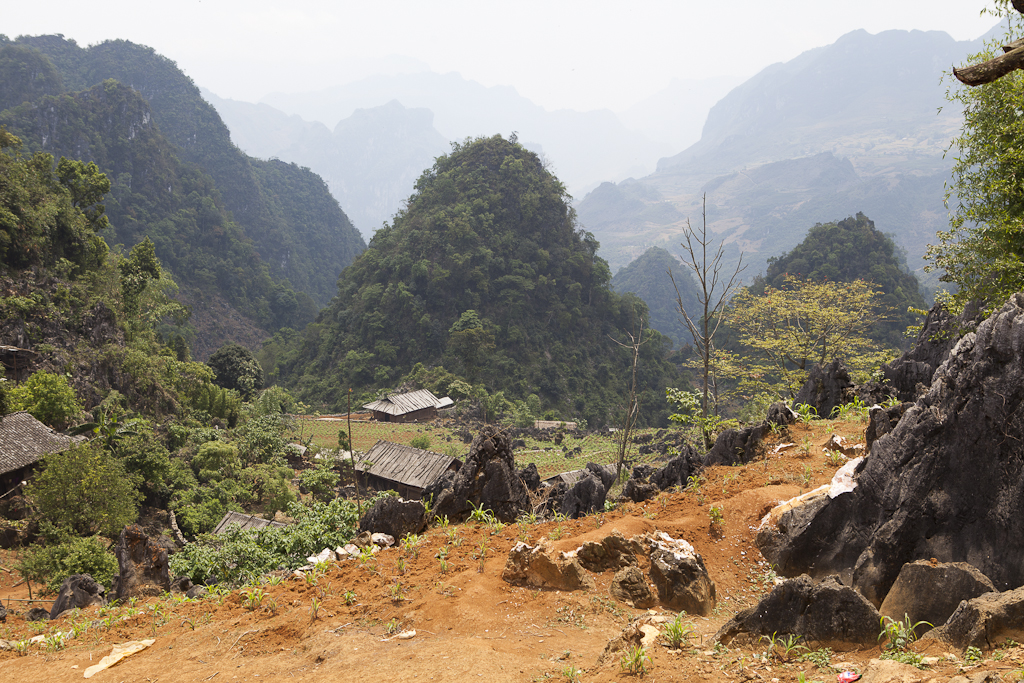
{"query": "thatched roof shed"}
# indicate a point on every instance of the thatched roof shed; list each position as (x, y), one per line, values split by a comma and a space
(23, 441)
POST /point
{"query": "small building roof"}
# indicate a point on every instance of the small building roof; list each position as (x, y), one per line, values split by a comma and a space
(24, 440)
(404, 464)
(244, 521)
(569, 478)
(402, 404)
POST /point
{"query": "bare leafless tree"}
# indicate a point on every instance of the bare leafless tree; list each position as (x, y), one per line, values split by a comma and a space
(713, 294)
(636, 340)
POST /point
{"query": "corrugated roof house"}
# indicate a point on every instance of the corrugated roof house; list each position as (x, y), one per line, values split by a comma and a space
(405, 469)
(23, 441)
(244, 521)
(415, 406)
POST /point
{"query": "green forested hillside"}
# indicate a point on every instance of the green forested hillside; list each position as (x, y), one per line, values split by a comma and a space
(486, 273)
(647, 277)
(295, 228)
(853, 249)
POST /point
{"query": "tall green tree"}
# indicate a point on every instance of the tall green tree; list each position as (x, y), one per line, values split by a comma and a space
(982, 254)
(83, 491)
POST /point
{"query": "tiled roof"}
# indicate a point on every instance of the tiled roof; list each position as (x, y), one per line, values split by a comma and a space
(24, 440)
(404, 464)
(402, 404)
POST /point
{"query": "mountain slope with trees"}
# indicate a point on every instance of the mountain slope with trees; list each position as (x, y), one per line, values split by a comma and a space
(648, 278)
(133, 112)
(486, 273)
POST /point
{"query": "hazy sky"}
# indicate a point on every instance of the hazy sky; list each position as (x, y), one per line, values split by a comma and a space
(573, 54)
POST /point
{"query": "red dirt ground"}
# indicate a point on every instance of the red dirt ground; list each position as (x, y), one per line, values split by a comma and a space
(470, 625)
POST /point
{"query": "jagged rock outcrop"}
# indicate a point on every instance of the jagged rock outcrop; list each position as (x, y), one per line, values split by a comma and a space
(931, 592)
(824, 388)
(614, 551)
(646, 481)
(530, 476)
(826, 612)
(736, 446)
(142, 565)
(881, 421)
(488, 479)
(542, 567)
(586, 495)
(984, 622)
(680, 576)
(78, 590)
(629, 585)
(395, 517)
(780, 415)
(947, 482)
(911, 374)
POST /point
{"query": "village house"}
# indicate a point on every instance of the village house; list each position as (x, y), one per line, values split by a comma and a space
(415, 406)
(404, 469)
(24, 440)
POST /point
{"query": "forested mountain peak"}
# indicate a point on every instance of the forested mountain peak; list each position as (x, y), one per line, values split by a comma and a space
(486, 272)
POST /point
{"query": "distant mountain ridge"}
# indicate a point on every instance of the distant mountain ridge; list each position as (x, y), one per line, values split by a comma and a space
(370, 161)
(846, 128)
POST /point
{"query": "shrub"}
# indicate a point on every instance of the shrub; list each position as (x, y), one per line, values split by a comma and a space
(47, 397)
(51, 564)
(320, 481)
(240, 556)
(421, 441)
(83, 491)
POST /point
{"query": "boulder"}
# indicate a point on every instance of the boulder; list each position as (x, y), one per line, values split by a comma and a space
(363, 540)
(613, 552)
(530, 476)
(542, 567)
(826, 612)
(824, 388)
(606, 473)
(142, 565)
(736, 446)
(395, 517)
(488, 479)
(382, 540)
(78, 590)
(3, 614)
(780, 415)
(931, 592)
(984, 622)
(587, 495)
(890, 671)
(638, 490)
(680, 576)
(37, 614)
(947, 482)
(629, 585)
(196, 592)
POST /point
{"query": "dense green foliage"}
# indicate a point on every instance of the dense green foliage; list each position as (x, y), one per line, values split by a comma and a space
(982, 254)
(239, 557)
(49, 565)
(41, 217)
(486, 272)
(848, 250)
(236, 368)
(83, 491)
(648, 277)
(47, 397)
